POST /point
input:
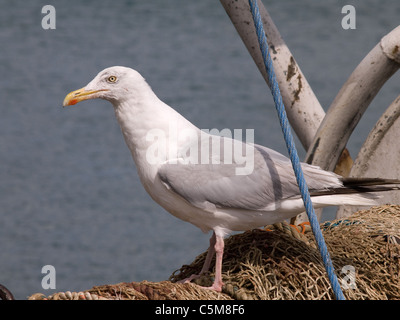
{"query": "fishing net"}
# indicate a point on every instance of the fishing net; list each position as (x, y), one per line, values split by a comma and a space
(279, 262)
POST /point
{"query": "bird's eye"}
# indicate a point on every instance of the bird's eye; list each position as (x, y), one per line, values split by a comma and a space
(111, 79)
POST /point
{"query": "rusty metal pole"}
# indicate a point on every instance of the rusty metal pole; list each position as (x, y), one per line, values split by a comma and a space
(379, 156)
(304, 111)
(352, 101)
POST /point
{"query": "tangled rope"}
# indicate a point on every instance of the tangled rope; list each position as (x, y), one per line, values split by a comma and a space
(293, 151)
(277, 264)
(68, 295)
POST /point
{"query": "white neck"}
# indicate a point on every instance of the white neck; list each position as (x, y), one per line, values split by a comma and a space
(143, 119)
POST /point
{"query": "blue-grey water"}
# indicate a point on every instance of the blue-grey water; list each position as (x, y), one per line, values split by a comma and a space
(69, 192)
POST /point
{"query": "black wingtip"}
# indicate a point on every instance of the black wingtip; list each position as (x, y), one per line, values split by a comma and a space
(360, 185)
(366, 182)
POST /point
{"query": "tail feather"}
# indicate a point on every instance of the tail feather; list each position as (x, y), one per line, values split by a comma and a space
(360, 185)
(364, 182)
(354, 192)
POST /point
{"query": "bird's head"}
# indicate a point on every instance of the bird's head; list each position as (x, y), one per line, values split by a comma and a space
(112, 84)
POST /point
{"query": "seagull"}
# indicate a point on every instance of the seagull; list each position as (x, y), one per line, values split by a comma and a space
(217, 183)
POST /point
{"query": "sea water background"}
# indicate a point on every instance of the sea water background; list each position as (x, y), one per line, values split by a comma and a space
(69, 192)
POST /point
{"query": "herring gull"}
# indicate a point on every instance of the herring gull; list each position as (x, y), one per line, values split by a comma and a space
(217, 183)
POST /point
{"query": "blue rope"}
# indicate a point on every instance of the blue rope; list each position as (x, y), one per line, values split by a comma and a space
(293, 152)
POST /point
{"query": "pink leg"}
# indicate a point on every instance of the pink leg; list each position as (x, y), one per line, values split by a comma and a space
(207, 262)
(217, 247)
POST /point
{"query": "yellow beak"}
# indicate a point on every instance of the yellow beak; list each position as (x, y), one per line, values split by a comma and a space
(79, 95)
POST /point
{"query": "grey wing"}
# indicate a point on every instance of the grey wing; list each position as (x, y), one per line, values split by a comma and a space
(270, 181)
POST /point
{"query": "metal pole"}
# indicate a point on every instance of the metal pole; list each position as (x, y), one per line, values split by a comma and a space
(379, 156)
(304, 111)
(352, 101)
